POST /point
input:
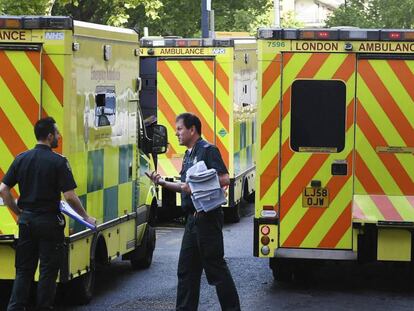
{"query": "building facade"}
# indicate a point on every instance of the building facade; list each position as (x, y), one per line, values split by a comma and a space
(312, 13)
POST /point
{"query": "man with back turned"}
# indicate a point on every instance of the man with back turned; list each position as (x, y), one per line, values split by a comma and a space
(42, 175)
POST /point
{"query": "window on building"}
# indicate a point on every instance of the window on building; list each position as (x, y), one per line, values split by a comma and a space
(318, 112)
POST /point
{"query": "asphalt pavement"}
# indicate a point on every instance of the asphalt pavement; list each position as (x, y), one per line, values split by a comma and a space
(341, 286)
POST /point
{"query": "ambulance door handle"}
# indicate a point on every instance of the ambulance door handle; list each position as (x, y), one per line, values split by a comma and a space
(130, 171)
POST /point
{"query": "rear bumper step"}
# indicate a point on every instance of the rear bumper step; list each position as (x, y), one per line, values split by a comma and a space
(315, 254)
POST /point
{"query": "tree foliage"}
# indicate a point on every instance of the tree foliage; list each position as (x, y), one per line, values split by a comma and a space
(163, 17)
(33, 7)
(174, 17)
(374, 14)
(289, 20)
(183, 17)
(109, 12)
(236, 15)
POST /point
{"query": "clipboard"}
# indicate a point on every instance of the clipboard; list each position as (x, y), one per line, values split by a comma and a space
(66, 209)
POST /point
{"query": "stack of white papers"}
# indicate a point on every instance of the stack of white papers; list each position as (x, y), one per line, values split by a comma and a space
(206, 192)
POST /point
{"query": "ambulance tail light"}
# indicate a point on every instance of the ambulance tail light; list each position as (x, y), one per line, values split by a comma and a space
(194, 42)
(265, 230)
(322, 35)
(265, 250)
(397, 35)
(392, 36)
(265, 240)
(409, 36)
(307, 35)
(312, 34)
(36, 22)
(181, 42)
(10, 22)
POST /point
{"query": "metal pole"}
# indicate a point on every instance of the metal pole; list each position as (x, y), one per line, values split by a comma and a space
(212, 31)
(204, 18)
(276, 5)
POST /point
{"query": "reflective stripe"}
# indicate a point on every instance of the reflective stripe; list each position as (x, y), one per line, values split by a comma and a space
(374, 208)
(20, 83)
(188, 86)
(385, 111)
(316, 227)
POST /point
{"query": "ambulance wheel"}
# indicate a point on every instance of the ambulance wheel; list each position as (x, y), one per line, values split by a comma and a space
(142, 256)
(232, 214)
(152, 217)
(282, 270)
(81, 288)
(248, 197)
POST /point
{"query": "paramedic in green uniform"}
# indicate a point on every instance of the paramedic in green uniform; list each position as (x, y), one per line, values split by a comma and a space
(202, 244)
(42, 175)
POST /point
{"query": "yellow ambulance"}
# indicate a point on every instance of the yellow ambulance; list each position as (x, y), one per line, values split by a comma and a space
(335, 178)
(85, 76)
(216, 80)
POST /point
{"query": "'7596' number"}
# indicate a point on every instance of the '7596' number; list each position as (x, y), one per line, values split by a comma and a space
(276, 44)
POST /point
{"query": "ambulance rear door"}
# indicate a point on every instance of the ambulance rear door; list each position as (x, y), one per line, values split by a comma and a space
(317, 143)
(184, 85)
(20, 108)
(384, 162)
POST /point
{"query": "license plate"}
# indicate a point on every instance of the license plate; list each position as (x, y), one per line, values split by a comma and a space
(315, 197)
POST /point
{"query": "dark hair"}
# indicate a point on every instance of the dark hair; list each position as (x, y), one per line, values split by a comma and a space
(44, 127)
(190, 120)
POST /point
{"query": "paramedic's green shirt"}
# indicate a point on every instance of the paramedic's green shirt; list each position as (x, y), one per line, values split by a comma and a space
(201, 151)
(41, 175)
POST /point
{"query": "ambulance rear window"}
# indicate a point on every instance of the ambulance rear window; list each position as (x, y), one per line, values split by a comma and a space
(318, 109)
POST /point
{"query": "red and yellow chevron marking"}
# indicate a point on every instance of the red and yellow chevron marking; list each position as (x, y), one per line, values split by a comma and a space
(19, 110)
(188, 86)
(374, 208)
(267, 159)
(385, 117)
(20, 88)
(316, 227)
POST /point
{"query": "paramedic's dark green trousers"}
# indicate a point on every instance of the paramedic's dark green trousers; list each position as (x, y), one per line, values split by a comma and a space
(202, 248)
(41, 238)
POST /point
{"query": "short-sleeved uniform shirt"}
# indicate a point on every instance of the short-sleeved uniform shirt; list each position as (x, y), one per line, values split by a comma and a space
(201, 151)
(41, 175)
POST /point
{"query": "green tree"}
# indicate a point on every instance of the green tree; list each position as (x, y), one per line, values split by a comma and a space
(109, 12)
(374, 14)
(33, 7)
(163, 17)
(289, 20)
(183, 17)
(241, 15)
(174, 17)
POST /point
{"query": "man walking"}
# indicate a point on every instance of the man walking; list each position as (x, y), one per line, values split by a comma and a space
(202, 244)
(42, 175)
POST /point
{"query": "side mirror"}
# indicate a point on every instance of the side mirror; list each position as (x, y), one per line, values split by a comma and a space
(159, 139)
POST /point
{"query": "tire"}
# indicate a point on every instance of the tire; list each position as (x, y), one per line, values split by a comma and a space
(232, 214)
(248, 197)
(282, 270)
(81, 289)
(153, 217)
(141, 257)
